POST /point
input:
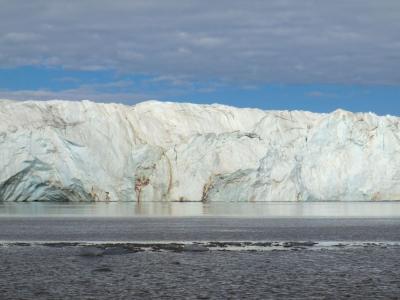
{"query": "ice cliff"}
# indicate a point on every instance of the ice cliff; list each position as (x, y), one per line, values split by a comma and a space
(161, 151)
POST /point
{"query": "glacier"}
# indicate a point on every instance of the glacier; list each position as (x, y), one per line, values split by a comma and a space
(163, 151)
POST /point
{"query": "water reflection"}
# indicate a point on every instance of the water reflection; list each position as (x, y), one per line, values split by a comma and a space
(177, 209)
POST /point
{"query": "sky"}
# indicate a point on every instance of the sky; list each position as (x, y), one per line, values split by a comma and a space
(316, 55)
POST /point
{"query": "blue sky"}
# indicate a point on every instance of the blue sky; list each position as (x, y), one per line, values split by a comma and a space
(309, 55)
(108, 86)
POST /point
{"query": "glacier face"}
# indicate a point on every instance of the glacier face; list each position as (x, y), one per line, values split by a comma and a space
(161, 151)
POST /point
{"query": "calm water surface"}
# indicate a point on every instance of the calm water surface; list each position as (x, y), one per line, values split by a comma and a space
(162, 221)
(196, 209)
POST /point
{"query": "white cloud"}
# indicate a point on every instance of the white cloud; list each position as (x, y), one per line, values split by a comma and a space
(172, 80)
(291, 41)
(20, 37)
(319, 94)
(81, 93)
